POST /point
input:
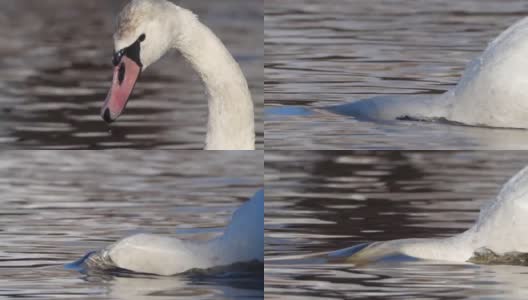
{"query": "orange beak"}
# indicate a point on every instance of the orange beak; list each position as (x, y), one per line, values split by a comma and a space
(126, 74)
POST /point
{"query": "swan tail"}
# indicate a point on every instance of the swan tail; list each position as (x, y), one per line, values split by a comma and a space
(410, 107)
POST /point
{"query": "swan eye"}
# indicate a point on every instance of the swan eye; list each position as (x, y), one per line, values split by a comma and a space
(131, 52)
(117, 57)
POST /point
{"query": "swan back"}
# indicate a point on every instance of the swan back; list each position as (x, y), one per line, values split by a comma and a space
(155, 254)
(501, 227)
(493, 90)
(242, 241)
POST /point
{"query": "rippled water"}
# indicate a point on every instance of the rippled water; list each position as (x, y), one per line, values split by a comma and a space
(324, 201)
(56, 71)
(58, 205)
(320, 53)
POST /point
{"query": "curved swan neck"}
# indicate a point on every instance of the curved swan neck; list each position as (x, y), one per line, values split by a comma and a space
(231, 113)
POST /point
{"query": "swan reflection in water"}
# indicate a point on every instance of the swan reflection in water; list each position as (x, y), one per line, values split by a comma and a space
(239, 282)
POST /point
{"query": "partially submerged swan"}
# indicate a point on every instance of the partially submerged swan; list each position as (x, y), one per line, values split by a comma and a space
(146, 30)
(493, 90)
(242, 241)
(502, 227)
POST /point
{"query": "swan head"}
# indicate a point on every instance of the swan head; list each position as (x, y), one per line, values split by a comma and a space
(146, 30)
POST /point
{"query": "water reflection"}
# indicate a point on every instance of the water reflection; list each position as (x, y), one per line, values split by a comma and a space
(57, 205)
(323, 201)
(361, 49)
(56, 73)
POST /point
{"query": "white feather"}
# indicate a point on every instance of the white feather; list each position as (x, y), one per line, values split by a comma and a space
(501, 227)
(242, 241)
(493, 90)
(168, 26)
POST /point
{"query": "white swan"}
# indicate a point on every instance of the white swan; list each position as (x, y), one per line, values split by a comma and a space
(492, 92)
(501, 227)
(242, 241)
(146, 30)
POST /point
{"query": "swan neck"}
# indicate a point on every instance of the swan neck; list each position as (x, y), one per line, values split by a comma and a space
(231, 113)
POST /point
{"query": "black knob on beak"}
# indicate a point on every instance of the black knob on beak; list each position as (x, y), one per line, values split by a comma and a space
(107, 117)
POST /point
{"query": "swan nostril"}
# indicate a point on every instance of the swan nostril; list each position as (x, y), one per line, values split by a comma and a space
(121, 76)
(107, 117)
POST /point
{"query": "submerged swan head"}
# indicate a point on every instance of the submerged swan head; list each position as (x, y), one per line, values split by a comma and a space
(146, 30)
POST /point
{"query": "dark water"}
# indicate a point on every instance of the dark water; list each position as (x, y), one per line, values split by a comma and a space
(325, 201)
(321, 53)
(58, 205)
(55, 62)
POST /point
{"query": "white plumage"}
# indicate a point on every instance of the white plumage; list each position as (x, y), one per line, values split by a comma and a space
(242, 241)
(167, 26)
(493, 90)
(501, 227)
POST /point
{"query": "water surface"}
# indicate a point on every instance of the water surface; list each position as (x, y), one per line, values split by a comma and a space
(322, 53)
(58, 205)
(324, 201)
(56, 71)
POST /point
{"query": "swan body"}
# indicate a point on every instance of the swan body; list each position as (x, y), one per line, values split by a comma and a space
(242, 241)
(146, 30)
(493, 90)
(501, 227)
